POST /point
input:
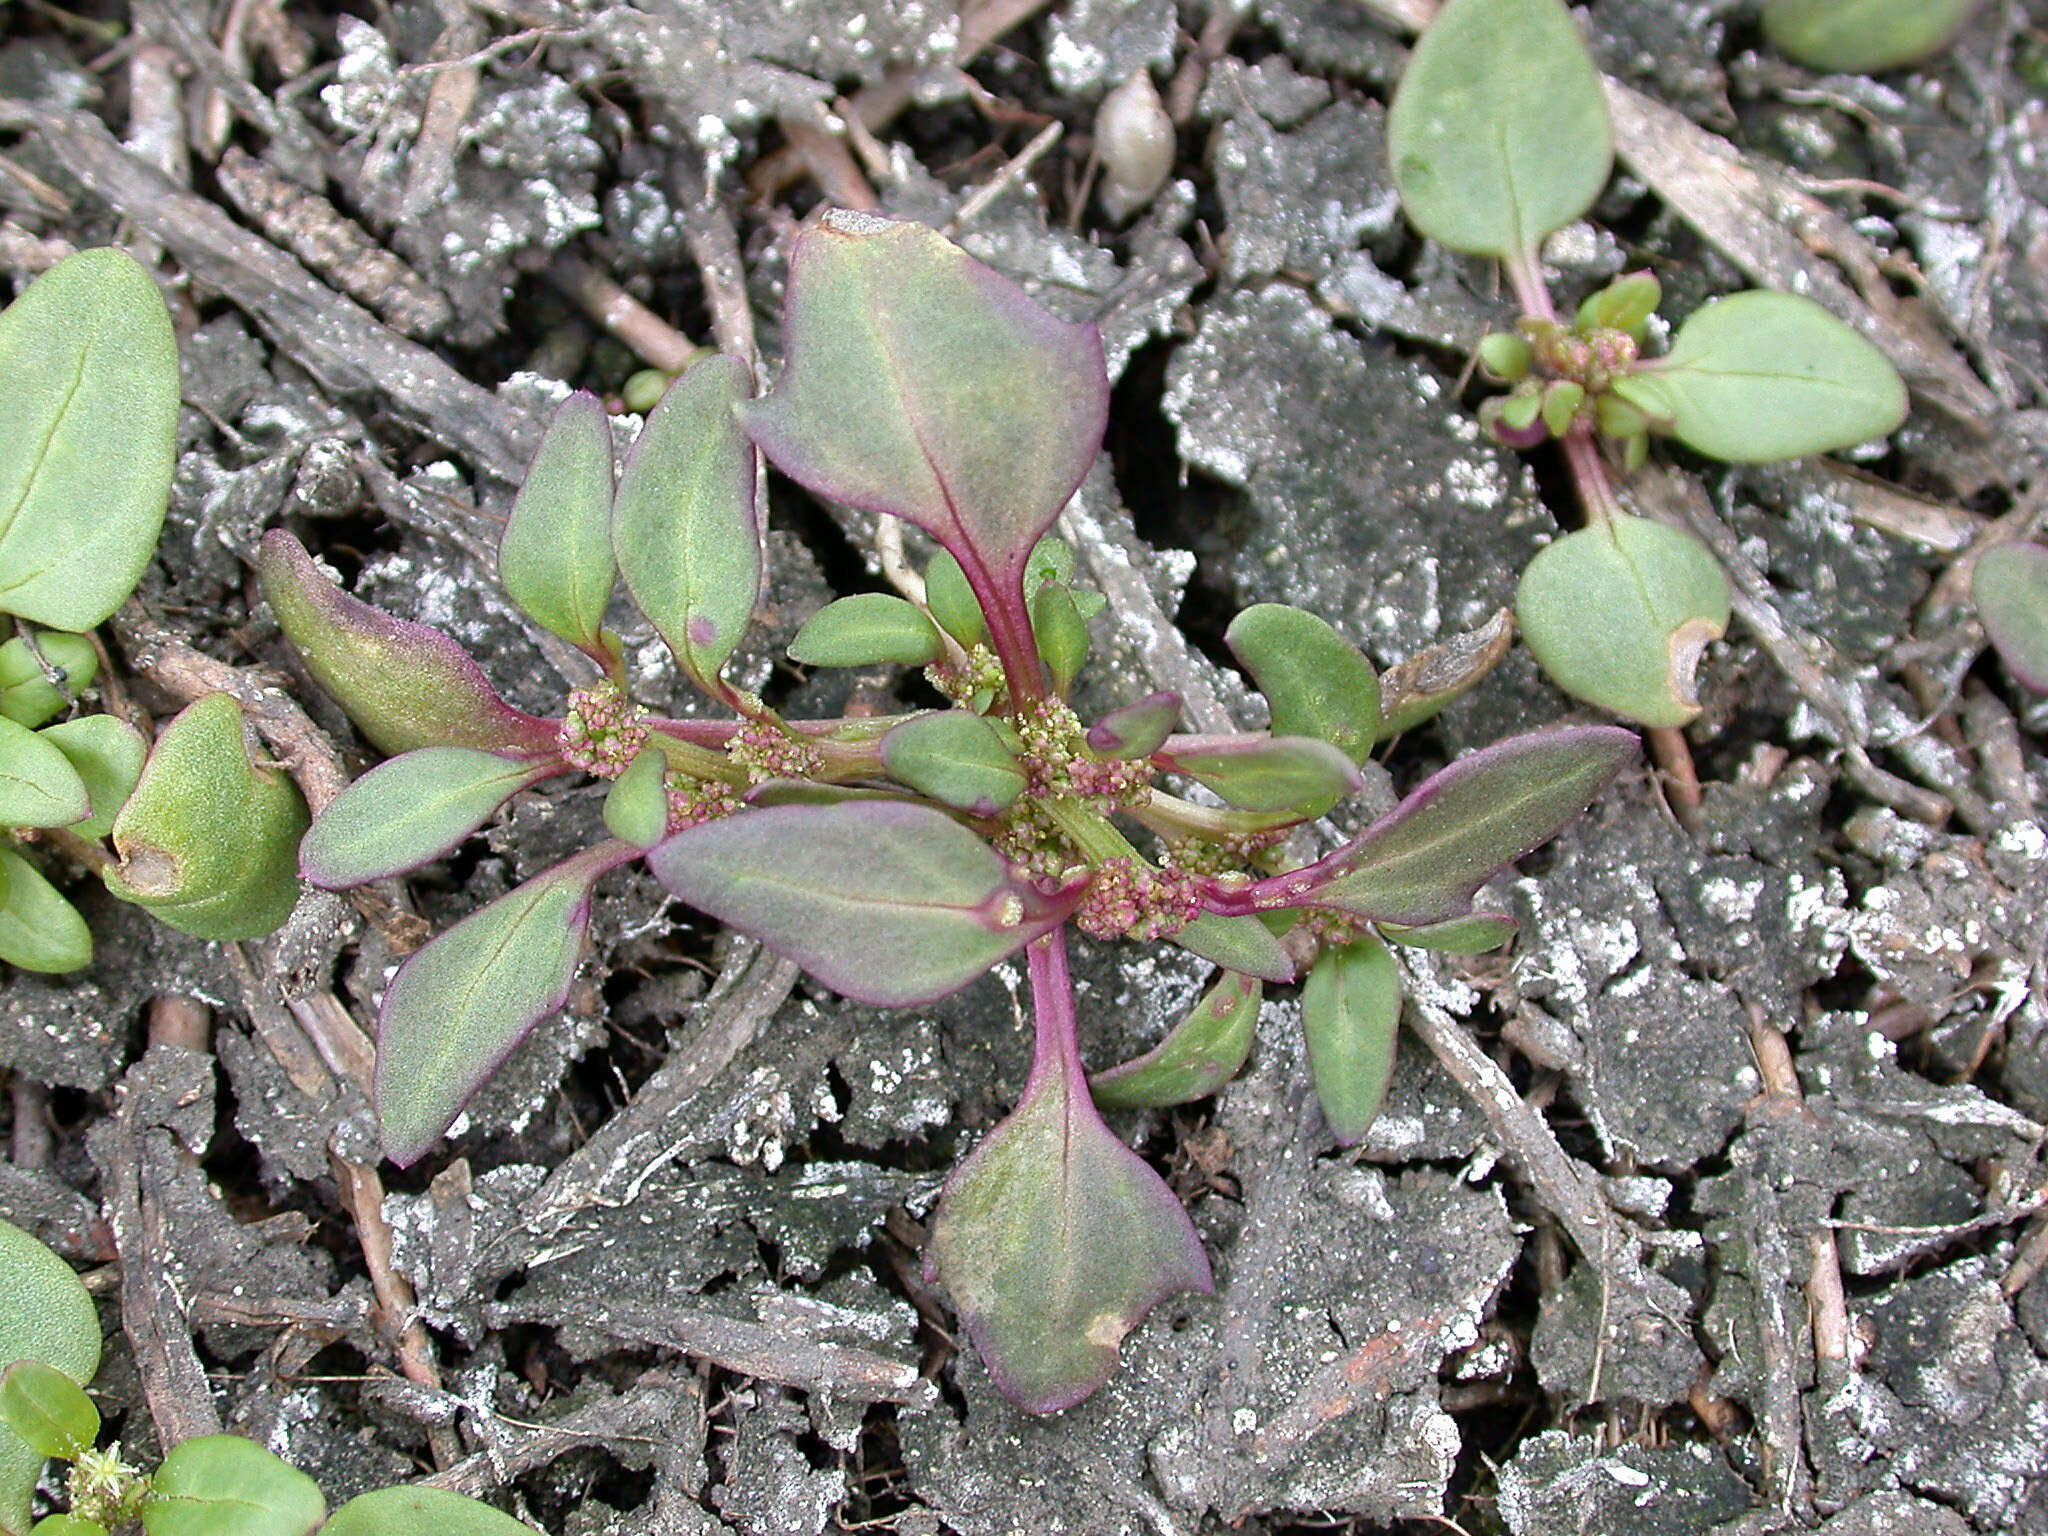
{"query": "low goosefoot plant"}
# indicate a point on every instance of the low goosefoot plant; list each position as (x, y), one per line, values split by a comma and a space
(1498, 137)
(204, 838)
(214, 1485)
(898, 859)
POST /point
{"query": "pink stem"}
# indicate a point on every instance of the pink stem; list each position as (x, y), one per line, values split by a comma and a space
(1056, 1049)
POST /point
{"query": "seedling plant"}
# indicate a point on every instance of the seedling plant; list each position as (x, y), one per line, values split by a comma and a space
(1499, 136)
(897, 859)
(203, 837)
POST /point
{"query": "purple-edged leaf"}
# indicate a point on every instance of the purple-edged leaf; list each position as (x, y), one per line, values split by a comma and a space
(1473, 934)
(410, 810)
(957, 758)
(1239, 943)
(1318, 683)
(684, 522)
(1421, 862)
(1350, 1014)
(555, 558)
(888, 903)
(2010, 588)
(1137, 729)
(405, 685)
(1200, 1054)
(457, 1008)
(916, 381)
(1297, 775)
(1055, 1238)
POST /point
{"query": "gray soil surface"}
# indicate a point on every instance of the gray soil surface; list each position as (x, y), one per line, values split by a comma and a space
(1716, 1204)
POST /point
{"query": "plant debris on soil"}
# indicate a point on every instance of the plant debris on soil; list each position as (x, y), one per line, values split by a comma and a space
(1718, 1204)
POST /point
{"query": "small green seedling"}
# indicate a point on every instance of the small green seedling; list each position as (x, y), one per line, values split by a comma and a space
(1498, 137)
(88, 440)
(215, 1485)
(898, 859)
(1863, 36)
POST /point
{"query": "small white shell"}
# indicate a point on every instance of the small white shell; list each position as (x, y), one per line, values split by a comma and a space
(1134, 141)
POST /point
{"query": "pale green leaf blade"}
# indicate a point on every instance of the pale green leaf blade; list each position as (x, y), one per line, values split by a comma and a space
(1297, 775)
(865, 630)
(421, 1512)
(1498, 133)
(408, 811)
(1473, 934)
(684, 523)
(957, 758)
(636, 806)
(1863, 37)
(224, 1485)
(39, 929)
(88, 438)
(1237, 944)
(1350, 1013)
(555, 556)
(38, 785)
(2009, 585)
(1760, 376)
(47, 1409)
(45, 1315)
(108, 754)
(1318, 683)
(27, 695)
(1200, 1054)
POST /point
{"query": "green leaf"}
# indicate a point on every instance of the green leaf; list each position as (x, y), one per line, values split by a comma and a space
(1200, 1054)
(88, 438)
(1620, 613)
(38, 785)
(1297, 775)
(2009, 585)
(224, 1485)
(865, 630)
(456, 1009)
(66, 1525)
(636, 806)
(890, 904)
(27, 696)
(1060, 633)
(1422, 861)
(918, 382)
(39, 929)
(45, 1315)
(952, 601)
(1055, 1239)
(1761, 376)
(1135, 730)
(209, 841)
(1498, 132)
(420, 1512)
(409, 811)
(1474, 934)
(684, 523)
(48, 1410)
(1350, 1013)
(1863, 37)
(1318, 683)
(1237, 944)
(108, 754)
(957, 758)
(404, 685)
(555, 557)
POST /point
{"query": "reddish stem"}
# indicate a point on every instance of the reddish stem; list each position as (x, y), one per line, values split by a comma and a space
(1056, 1050)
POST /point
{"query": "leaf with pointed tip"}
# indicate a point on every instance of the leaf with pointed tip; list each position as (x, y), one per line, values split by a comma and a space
(456, 1009)
(555, 556)
(957, 758)
(1473, 934)
(1137, 729)
(1318, 683)
(209, 841)
(1414, 690)
(636, 806)
(405, 685)
(2009, 585)
(27, 694)
(865, 630)
(918, 382)
(890, 904)
(108, 754)
(224, 1485)
(412, 1511)
(1498, 132)
(38, 785)
(1350, 1013)
(39, 929)
(410, 810)
(1422, 861)
(1200, 1054)
(1055, 1239)
(46, 1315)
(952, 601)
(48, 1410)
(88, 438)
(1297, 775)
(684, 523)
(1761, 376)
(1238, 944)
